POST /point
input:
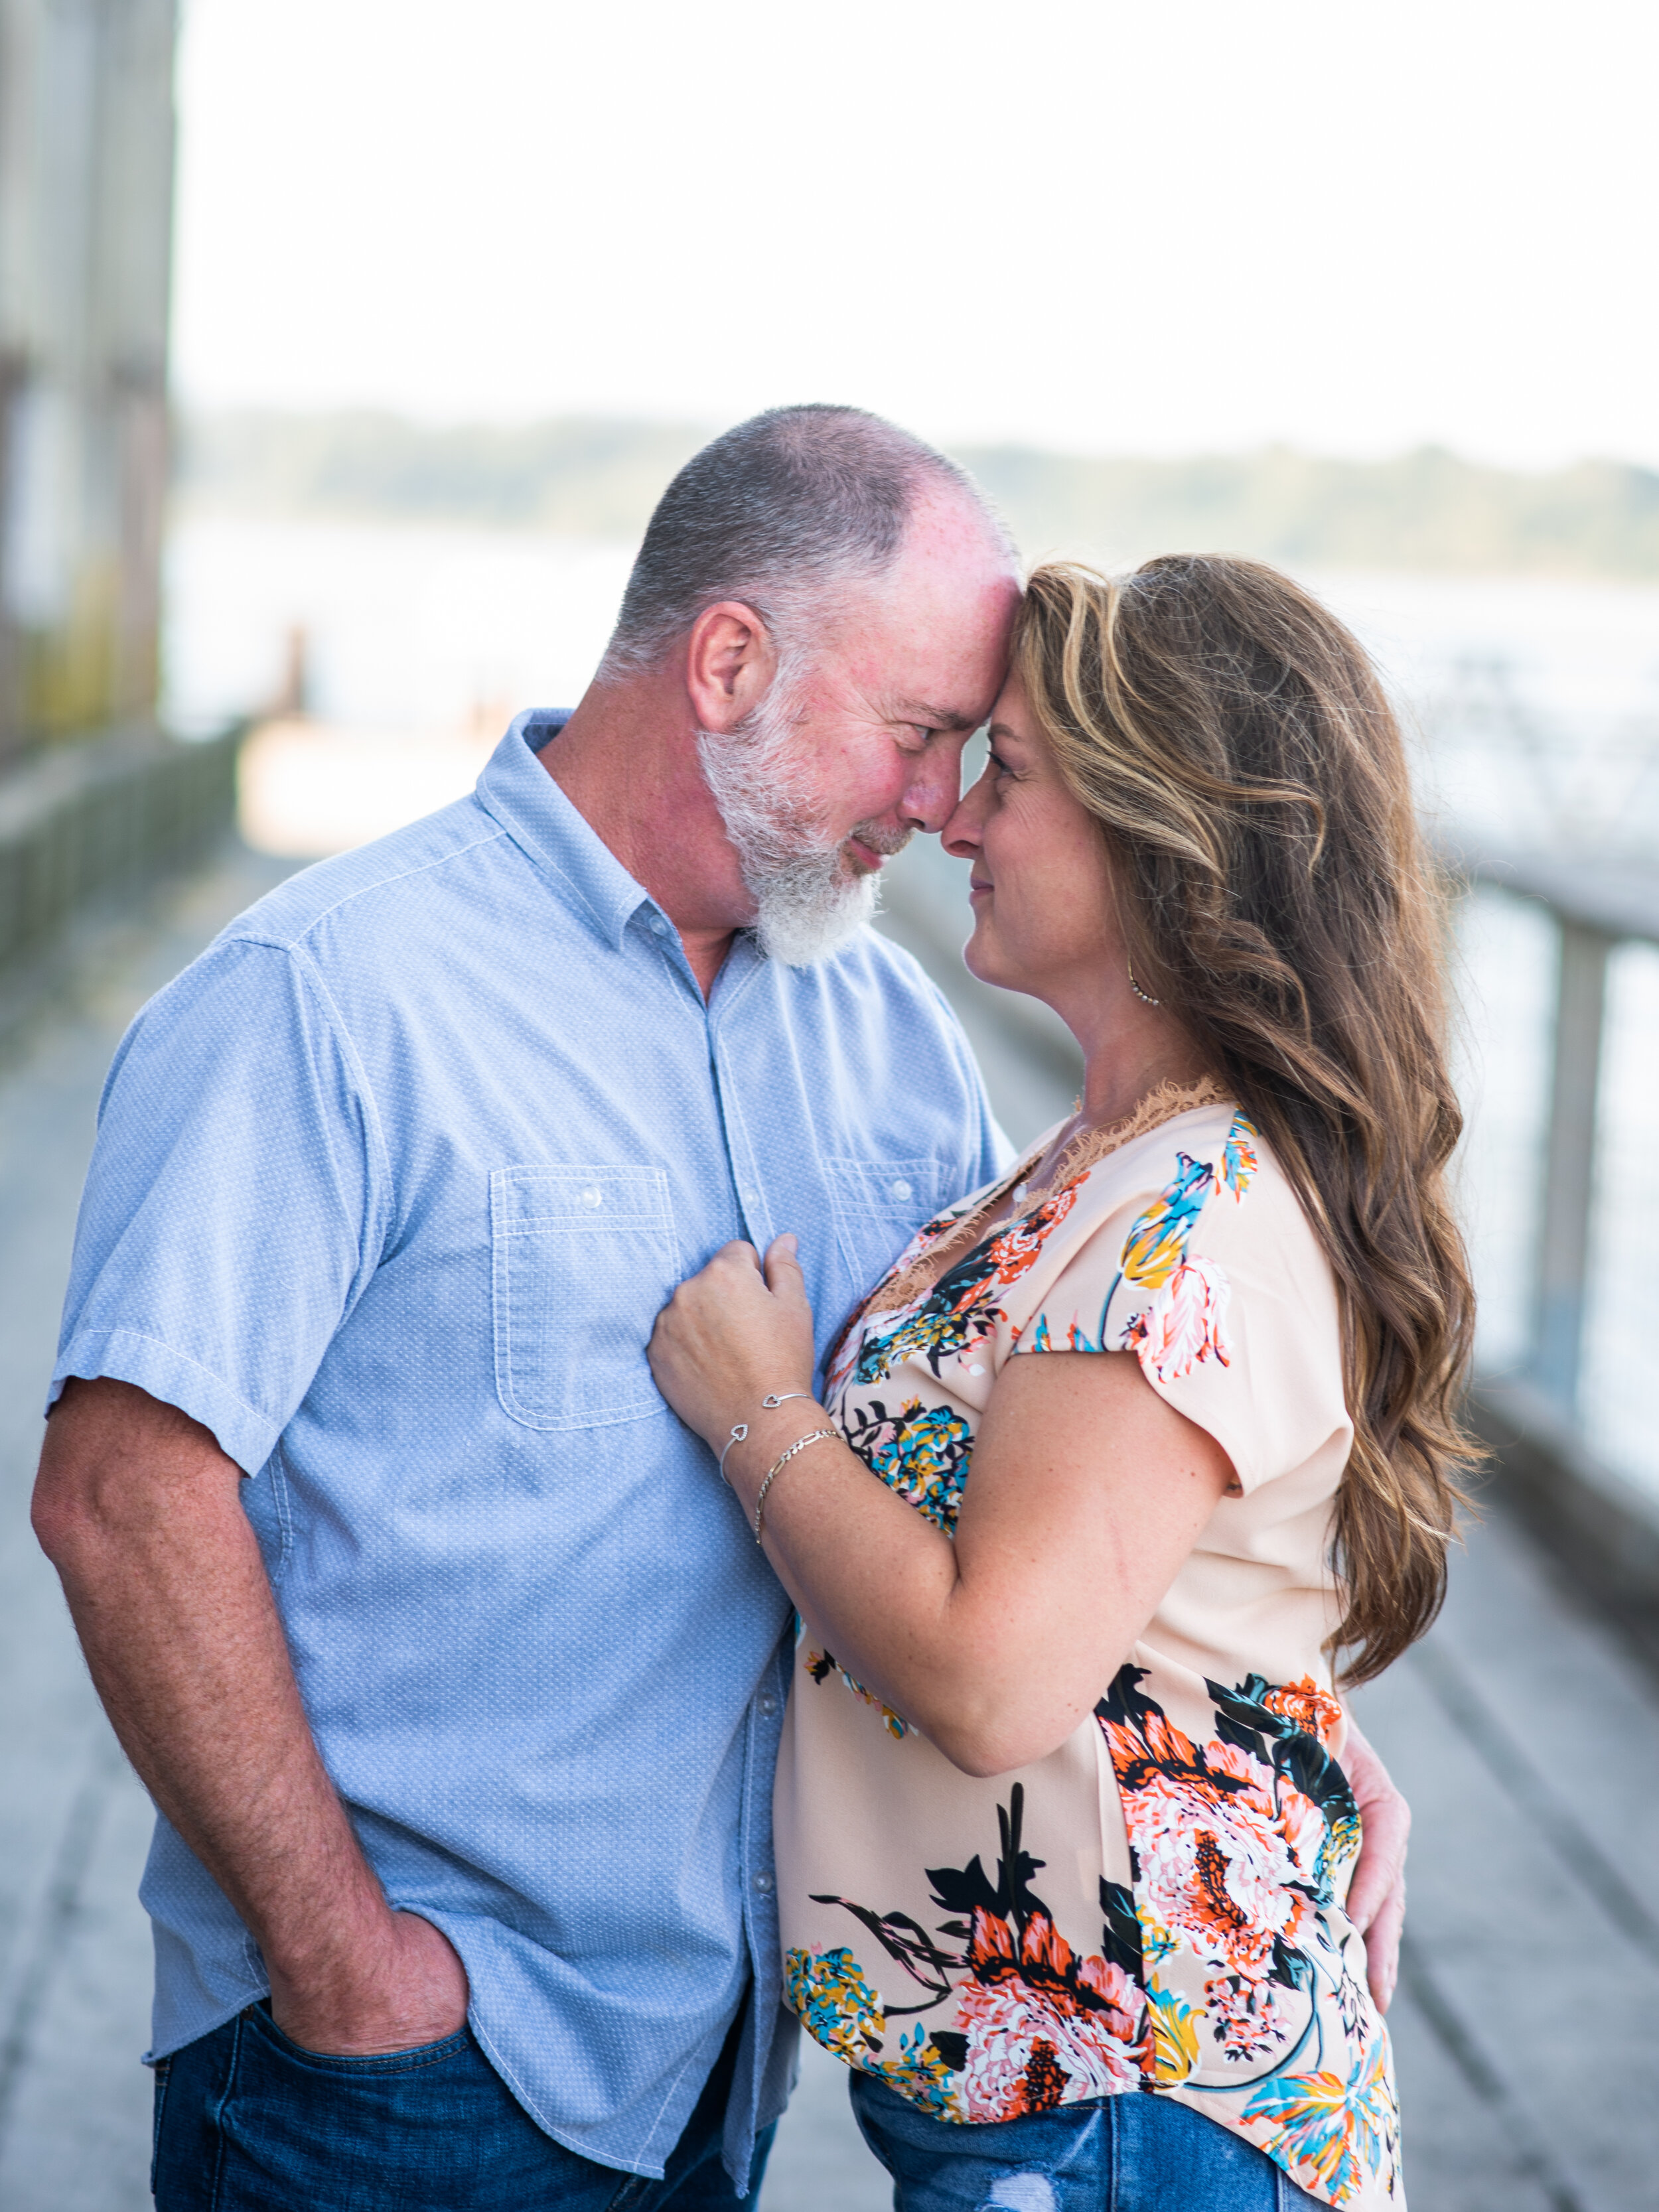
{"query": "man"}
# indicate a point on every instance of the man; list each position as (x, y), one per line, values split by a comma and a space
(453, 1671)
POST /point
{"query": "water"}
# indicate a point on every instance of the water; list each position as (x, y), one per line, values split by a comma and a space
(1533, 709)
(1533, 704)
(407, 628)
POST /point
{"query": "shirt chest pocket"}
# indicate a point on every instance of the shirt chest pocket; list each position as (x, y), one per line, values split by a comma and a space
(878, 1205)
(583, 1259)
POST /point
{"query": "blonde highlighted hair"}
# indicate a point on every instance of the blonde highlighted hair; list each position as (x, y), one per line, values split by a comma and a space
(1233, 740)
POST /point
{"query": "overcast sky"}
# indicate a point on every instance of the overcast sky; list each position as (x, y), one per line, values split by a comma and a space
(1085, 224)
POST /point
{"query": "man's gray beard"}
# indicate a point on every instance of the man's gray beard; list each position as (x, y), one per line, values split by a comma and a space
(808, 898)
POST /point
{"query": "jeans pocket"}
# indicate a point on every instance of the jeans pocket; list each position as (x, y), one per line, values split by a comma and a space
(283, 2127)
(583, 1260)
(163, 2069)
(368, 2065)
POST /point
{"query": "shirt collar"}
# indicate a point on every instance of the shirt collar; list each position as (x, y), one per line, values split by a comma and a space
(520, 793)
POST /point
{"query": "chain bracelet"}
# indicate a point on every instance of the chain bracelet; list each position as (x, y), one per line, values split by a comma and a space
(812, 1436)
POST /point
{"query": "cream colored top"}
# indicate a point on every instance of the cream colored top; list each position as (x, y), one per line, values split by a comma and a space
(1157, 1904)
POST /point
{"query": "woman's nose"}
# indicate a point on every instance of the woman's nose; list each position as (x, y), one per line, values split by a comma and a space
(964, 833)
(961, 833)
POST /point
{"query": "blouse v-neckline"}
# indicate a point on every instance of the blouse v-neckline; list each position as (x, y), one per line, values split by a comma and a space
(1163, 1103)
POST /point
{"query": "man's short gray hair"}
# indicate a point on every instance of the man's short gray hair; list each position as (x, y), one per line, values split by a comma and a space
(780, 512)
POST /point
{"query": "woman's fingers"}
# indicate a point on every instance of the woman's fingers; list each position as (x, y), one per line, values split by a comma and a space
(782, 1269)
(735, 1255)
(734, 1271)
(1383, 1944)
(1385, 1829)
(734, 1332)
(1377, 1895)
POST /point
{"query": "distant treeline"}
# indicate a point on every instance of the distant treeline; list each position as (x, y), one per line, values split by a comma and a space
(1427, 510)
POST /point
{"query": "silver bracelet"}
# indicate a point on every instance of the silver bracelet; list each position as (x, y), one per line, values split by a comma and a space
(812, 1436)
(773, 1398)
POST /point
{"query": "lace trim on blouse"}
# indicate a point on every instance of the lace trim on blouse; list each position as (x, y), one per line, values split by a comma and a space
(1086, 1150)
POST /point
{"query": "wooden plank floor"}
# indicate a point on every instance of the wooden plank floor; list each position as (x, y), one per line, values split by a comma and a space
(75, 1953)
(1528, 2021)
(1528, 1739)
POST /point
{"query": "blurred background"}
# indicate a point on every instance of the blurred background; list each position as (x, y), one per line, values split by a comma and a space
(344, 349)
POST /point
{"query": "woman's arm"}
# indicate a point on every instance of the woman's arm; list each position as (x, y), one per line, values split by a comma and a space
(1088, 1493)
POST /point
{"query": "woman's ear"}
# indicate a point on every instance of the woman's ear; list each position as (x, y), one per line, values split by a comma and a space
(730, 662)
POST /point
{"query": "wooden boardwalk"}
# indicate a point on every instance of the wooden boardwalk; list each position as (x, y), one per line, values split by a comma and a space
(1525, 1732)
(74, 1824)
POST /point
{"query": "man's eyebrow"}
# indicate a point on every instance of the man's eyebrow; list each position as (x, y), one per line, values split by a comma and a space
(937, 717)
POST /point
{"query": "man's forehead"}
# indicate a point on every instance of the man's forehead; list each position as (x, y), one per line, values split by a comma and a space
(943, 674)
(949, 658)
(929, 639)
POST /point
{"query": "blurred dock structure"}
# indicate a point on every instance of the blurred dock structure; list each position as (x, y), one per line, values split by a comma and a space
(96, 799)
(1563, 1194)
(86, 223)
(99, 808)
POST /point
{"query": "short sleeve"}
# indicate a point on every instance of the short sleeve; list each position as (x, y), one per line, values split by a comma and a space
(1220, 1285)
(236, 1200)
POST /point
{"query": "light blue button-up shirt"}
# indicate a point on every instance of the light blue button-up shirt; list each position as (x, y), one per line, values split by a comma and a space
(389, 1187)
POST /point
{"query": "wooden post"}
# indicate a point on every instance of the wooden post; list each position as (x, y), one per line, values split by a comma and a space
(1570, 1163)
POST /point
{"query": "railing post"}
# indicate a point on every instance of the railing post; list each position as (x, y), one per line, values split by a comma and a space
(1570, 1163)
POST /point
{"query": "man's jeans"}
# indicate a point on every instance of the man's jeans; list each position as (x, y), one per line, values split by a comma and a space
(246, 2121)
(1136, 2152)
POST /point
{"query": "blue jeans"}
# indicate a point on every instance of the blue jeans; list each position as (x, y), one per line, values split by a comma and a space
(246, 2121)
(1133, 2152)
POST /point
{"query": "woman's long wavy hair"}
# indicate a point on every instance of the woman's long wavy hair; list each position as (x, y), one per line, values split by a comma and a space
(1234, 742)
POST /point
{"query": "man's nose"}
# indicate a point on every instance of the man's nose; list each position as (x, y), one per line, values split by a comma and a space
(936, 788)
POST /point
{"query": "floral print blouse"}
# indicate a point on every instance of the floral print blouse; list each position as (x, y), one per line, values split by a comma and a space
(1157, 1905)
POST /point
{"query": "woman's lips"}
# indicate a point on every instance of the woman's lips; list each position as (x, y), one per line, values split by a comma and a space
(978, 890)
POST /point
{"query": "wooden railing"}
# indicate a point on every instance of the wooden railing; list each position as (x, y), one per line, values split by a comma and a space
(1594, 910)
(1602, 1525)
(86, 824)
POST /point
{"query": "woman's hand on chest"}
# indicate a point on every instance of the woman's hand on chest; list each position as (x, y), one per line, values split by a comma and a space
(1087, 1496)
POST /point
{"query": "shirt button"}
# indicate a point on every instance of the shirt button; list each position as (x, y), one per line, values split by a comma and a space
(900, 1189)
(659, 926)
(767, 1702)
(763, 1882)
(593, 1196)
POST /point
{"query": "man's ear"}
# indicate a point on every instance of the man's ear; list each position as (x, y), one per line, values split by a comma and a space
(730, 662)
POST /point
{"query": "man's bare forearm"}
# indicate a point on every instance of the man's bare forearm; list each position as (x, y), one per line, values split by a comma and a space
(140, 1511)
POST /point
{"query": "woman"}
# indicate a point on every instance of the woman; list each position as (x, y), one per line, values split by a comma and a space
(1164, 1429)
